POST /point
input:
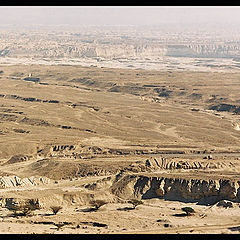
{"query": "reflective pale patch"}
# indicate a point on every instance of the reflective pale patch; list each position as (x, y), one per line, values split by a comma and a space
(236, 126)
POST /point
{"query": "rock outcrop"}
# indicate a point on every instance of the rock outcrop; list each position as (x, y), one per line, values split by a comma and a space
(180, 189)
(15, 181)
(164, 163)
(19, 203)
(17, 158)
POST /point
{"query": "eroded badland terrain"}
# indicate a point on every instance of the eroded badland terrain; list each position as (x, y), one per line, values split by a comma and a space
(71, 135)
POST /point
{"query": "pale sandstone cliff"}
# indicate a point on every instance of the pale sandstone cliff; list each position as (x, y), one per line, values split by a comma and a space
(187, 190)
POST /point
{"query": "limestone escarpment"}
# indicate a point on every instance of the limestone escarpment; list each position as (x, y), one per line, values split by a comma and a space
(111, 50)
(164, 163)
(88, 50)
(15, 181)
(215, 50)
(187, 190)
(123, 50)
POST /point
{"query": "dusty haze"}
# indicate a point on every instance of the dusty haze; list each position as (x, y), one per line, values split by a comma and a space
(135, 15)
(119, 120)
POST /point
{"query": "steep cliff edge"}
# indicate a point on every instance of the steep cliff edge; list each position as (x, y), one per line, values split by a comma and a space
(197, 190)
(15, 181)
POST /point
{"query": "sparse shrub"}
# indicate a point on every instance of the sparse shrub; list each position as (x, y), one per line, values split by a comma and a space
(135, 202)
(59, 225)
(98, 203)
(24, 209)
(166, 225)
(55, 209)
(188, 210)
(225, 204)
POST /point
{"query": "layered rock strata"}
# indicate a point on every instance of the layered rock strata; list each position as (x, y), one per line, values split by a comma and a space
(187, 190)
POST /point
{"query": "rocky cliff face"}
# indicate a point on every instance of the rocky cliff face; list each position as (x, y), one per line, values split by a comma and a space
(17, 203)
(130, 51)
(119, 50)
(216, 50)
(15, 181)
(180, 189)
(106, 51)
(204, 50)
(163, 163)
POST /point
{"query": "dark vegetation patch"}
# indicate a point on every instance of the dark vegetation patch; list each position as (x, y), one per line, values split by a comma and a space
(43, 83)
(83, 104)
(17, 158)
(4, 52)
(150, 85)
(95, 224)
(180, 215)
(235, 229)
(125, 209)
(19, 130)
(8, 117)
(27, 99)
(163, 92)
(66, 127)
(35, 122)
(223, 107)
(126, 89)
(196, 96)
(31, 79)
(9, 110)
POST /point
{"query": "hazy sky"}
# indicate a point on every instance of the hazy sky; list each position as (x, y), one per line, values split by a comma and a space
(103, 15)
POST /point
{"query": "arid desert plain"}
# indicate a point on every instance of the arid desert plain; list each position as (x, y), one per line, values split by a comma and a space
(168, 139)
(106, 131)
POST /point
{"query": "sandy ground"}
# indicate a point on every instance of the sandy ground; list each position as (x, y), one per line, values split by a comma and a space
(154, 216)
(104, 122)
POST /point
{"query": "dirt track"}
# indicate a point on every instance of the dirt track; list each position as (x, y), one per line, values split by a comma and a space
(93, 131)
